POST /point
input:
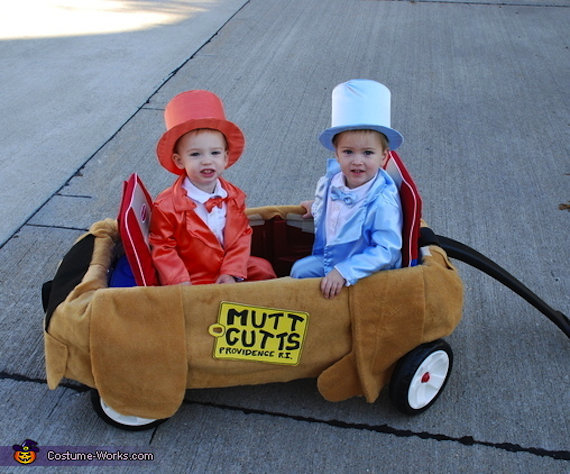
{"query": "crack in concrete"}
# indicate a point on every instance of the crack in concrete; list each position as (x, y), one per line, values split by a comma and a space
(383, 429)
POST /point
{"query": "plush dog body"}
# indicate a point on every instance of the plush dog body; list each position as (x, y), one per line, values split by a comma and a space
(142, 347)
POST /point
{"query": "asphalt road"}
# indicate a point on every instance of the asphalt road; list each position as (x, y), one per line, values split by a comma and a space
(479, 91)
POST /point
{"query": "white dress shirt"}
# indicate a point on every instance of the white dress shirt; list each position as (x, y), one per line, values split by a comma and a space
(337, 211)
(216, 219)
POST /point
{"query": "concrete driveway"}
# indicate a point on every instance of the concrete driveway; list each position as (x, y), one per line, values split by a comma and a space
(479, 91)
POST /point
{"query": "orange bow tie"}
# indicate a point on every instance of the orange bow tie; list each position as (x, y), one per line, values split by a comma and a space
(214, 202)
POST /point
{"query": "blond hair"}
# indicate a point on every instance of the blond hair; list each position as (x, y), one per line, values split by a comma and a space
(364, 131)
(197, 131)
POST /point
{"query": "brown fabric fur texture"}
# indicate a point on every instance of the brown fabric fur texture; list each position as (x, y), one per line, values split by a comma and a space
(391, 313)
(142, 347)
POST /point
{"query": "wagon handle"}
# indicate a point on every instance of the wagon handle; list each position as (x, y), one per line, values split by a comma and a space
(470, 256)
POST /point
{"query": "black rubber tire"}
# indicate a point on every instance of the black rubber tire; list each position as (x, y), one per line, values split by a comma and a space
(405, 374)
(96, 402)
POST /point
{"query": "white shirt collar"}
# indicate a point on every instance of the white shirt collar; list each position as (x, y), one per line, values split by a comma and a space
(200, 196)
(358, 192)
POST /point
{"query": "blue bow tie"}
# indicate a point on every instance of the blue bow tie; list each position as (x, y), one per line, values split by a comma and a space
(336, 194)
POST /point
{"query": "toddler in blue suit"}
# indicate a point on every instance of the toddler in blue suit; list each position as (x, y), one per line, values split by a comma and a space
(356, 210)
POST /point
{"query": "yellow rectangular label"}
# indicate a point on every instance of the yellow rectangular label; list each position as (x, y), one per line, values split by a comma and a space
(256, 333)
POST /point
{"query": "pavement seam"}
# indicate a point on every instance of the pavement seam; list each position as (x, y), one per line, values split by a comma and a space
(63, 227)
(398, 432)
(490, 4)
(382, 429)
(24, 378)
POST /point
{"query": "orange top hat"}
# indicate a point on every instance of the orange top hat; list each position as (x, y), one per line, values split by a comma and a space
(189, 111)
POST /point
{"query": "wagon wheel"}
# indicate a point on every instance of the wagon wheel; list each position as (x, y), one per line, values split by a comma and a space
(125, 422)
(420, 376)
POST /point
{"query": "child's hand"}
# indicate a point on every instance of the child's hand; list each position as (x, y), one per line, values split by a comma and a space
(308, 206)
(225, 279)
(332, 284)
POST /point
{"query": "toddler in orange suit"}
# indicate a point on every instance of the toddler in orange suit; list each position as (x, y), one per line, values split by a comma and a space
(199, 232)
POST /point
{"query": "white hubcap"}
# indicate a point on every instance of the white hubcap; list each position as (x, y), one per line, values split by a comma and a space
(124, 419)
(428, 379)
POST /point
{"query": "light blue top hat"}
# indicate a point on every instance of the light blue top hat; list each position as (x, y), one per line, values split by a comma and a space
(361, 104)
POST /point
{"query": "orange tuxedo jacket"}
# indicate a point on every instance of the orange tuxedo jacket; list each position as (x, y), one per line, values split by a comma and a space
(185, 249)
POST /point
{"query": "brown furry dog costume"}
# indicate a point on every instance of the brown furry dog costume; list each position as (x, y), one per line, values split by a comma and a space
(142, 347)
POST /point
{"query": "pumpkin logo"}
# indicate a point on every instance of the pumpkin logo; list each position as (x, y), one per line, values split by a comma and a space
(26, 453)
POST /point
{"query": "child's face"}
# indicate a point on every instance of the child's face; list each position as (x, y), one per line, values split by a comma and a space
(203, 155)
(360, 155)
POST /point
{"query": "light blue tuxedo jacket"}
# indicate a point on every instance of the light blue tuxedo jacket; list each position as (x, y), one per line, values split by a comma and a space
(371, 240)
